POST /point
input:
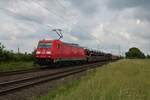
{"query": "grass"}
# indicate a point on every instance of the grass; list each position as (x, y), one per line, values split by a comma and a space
(13, 66)
(121, 80)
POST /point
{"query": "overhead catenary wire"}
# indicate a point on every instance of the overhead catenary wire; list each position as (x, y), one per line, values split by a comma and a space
(60, 4)
(61, 17)
(52, 12)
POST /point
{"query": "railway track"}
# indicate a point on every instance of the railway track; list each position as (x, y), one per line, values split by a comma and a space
(9, 73)
(17, 72)
(15, 85)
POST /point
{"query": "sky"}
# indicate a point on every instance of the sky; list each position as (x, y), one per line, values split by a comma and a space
(111, 26)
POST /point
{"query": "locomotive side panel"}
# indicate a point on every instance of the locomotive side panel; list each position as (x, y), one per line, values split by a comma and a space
(69, 53)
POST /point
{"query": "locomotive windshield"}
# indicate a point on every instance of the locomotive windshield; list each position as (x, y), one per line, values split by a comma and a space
(44, 45)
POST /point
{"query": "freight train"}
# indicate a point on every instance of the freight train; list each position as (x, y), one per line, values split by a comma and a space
(52, 52)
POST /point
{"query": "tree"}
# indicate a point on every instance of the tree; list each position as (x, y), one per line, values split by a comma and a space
(148, 56)
(135, 53)
(1, 51)
(6, 55)
(1, 48)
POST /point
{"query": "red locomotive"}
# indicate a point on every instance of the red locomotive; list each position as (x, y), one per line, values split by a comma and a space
(54, 51)
(50, 52)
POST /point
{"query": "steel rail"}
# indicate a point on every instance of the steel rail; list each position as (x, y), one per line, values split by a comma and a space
(9, 73)
(27, 82)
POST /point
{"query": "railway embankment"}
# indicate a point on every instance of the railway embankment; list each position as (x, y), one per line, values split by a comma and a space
(121, 80)
(22, 85)
(14, 66)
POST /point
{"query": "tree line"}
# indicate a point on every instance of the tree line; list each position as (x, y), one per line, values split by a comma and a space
(136, 53)
(6, 55)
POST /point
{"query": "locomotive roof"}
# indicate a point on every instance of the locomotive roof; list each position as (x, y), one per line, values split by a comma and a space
(48, 40)
(71, 44)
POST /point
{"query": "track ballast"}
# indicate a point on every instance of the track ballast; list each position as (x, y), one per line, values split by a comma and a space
(15, 85)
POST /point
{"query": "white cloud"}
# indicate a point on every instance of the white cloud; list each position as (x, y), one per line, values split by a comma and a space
(89, 23)
(138, 21)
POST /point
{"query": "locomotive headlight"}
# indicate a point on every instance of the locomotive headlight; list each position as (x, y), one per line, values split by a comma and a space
(38, 52)
(48, 52)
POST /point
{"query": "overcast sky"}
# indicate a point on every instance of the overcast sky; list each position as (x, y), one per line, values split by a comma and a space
(98, 24)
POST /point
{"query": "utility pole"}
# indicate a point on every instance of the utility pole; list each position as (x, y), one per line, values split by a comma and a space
(119, 50)
(18, 50)
(98, 47)
(149, 48)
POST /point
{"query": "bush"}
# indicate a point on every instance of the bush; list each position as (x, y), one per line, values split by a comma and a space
(148, 56)
(6, 56)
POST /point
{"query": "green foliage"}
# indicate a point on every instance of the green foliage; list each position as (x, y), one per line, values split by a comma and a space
(135, 53)
(7, 56)
(13, 65)
(148, 56)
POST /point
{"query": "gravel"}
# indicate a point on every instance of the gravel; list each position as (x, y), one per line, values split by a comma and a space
(41, 89)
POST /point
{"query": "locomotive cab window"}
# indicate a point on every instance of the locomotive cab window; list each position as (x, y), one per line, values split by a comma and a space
(45, 45)
(58, 46)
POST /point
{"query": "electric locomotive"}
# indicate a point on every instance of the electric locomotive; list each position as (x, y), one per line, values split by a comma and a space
(54, 52)
(50, 52)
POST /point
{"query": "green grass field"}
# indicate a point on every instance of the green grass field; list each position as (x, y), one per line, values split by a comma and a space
(12, 66)
(121, 80)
